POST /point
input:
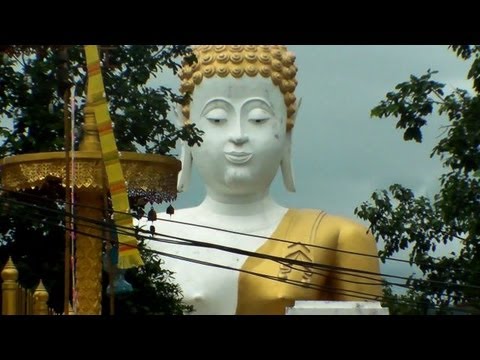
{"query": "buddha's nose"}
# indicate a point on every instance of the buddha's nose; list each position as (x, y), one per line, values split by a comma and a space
(237, 134)
(239, 139)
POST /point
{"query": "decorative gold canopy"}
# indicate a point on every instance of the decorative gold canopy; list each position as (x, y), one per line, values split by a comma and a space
(146, 174)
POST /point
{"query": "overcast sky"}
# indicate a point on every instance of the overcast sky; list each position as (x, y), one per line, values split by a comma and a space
(340, 154)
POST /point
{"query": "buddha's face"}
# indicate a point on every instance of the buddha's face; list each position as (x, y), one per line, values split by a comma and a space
(244, 121)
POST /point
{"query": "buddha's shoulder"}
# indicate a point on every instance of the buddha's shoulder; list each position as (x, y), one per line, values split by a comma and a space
(335, 225)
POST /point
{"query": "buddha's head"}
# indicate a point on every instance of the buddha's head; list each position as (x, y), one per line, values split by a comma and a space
(242, 98)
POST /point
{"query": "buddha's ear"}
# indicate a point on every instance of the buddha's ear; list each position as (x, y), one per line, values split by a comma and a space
(294, 116)
(186, 156)
(177, 110)
(286, 164)
(186, 172)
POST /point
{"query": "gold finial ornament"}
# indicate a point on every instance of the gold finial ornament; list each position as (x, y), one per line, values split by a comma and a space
(10, 272)
(273, 61)
(40, 299)
(9, 288)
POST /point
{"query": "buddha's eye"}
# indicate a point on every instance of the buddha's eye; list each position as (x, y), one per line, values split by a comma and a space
(259, 116)
(217, 116)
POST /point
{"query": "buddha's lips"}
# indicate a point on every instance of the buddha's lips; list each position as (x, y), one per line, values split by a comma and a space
(238, 157)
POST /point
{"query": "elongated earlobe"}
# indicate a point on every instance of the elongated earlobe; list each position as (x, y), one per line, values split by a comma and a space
(186, 157)
(177, 110)
(286, 165)
(186, 172)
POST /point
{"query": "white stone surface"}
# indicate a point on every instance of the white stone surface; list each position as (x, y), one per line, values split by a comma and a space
(337, 308)
(244, 145)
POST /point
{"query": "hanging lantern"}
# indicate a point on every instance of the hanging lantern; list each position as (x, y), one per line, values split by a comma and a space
(152, 215)
(170, 210)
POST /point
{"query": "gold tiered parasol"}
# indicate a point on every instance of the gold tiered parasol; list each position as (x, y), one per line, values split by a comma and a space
(151, 175)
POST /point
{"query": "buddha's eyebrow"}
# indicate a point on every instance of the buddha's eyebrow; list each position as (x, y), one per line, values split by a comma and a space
(217, 99)
(264, 101)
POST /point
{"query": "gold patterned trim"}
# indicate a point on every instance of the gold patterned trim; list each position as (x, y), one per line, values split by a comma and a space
(143, 172)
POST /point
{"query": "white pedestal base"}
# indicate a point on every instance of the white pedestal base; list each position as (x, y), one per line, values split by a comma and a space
(337, 308)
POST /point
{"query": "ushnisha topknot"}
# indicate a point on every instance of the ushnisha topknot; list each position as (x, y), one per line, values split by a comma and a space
(273, 61)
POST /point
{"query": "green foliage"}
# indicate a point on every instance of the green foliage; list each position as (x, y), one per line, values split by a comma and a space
(33, 80)
(420, 224)
(402, 304)
(411, 103)
(154, 292)
(28, 97)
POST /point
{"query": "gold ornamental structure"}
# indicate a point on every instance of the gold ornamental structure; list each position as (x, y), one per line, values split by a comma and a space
(149, 174)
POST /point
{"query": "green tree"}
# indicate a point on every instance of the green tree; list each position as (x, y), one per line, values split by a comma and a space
(419, 224)
(32, 83)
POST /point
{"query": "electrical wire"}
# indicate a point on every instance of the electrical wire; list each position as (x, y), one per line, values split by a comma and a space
(276, 259)
(255, 236)
(299, 262)
(132, 233)
(321, 288)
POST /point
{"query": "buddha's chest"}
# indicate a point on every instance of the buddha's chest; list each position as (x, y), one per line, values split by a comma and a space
(207, 270)
(292, 271)
(216, 278)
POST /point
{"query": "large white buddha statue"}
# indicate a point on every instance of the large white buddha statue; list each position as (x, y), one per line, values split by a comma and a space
(242, 97)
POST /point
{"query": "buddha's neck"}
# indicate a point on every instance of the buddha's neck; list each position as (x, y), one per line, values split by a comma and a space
(253, 205)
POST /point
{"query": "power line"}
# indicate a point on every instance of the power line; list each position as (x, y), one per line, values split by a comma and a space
(129, 232)
(280, 260)
(362, 295)
(189, 242)
(292, 282)
(243, 234)
(229, 249)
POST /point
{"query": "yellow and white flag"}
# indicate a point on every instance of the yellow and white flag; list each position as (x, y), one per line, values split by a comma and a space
(129, 256)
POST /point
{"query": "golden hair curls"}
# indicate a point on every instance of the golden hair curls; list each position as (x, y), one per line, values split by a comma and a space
(273, 61)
